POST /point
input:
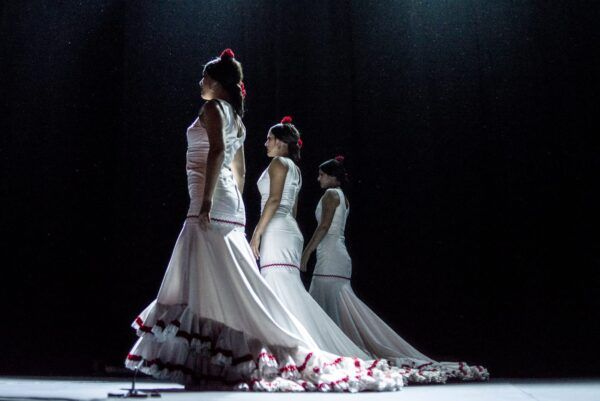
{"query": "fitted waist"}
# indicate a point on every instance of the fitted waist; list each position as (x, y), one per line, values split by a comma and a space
(329, 242)
(284, 213)
(283, 222)
(334, 237)
(227, 202)
(237, 223)
(199, 168)
(197, 179)
(282, 209)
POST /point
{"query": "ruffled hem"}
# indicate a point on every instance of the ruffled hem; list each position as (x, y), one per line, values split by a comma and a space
(439, 372)
(175, 344)
(355, 317)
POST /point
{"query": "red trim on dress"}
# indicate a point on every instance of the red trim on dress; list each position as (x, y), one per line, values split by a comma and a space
(303, 366)
(235, 223)
(335, 362)
(269, 356)
(330, 275)
(333, 383)
(288, 368)
(140, 322)
(375, 362)
(189, 337)
(280, 265)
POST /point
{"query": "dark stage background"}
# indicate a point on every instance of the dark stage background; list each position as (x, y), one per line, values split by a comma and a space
(467, 127)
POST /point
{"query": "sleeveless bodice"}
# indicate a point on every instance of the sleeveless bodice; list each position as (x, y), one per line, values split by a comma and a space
(332, 256)
(291, 187)
(227, 201)
(338, 224)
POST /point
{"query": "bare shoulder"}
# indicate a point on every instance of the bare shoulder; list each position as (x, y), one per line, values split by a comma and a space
(211, 110)
(331, 197)
(278, 166)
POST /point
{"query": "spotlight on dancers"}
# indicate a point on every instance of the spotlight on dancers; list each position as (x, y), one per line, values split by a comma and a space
(215, 322)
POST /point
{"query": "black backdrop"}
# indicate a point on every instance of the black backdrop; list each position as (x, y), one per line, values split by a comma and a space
(466, 126)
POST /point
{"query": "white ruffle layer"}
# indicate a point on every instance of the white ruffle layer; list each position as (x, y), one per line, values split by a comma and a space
(175, 344)
(371, 333)
(415, 371)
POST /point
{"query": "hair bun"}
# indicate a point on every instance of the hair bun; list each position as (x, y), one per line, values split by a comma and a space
(339, 158)
(286, 120)
(227, 53)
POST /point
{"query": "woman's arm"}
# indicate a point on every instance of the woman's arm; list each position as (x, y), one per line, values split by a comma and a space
(329, 203)
(277, 173)
(213, 120)
(238, 167)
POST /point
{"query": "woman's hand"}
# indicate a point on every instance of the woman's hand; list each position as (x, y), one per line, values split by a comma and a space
(304, 261)
(204, 216)
(255, 244)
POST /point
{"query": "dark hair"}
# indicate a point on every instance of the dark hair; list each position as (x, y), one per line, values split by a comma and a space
(288, 133)
(227, 71)
(335, 168)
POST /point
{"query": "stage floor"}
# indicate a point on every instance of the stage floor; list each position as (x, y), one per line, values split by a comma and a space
(14, 388)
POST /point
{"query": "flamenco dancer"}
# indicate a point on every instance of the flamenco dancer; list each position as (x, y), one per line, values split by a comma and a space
(215, 321)
(330, 287)
(278, 242)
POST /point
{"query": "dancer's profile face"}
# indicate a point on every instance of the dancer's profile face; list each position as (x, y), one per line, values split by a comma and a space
(326, 180)
(274, 146)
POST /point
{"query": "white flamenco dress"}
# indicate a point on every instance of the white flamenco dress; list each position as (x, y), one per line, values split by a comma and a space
(215, 321)
(331, 288)
(280, 253)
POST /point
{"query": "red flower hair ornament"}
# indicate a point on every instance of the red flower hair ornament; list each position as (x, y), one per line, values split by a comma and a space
(227, 53)
(242, 89)
(288, 120)
(339, 158)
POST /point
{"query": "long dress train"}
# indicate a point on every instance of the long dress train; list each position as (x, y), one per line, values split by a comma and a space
(331, 288)
(280, 252)
(215, 320)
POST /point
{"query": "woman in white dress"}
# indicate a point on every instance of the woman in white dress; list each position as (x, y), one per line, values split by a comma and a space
(330, 287)
(278, 242)
(215, 320)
